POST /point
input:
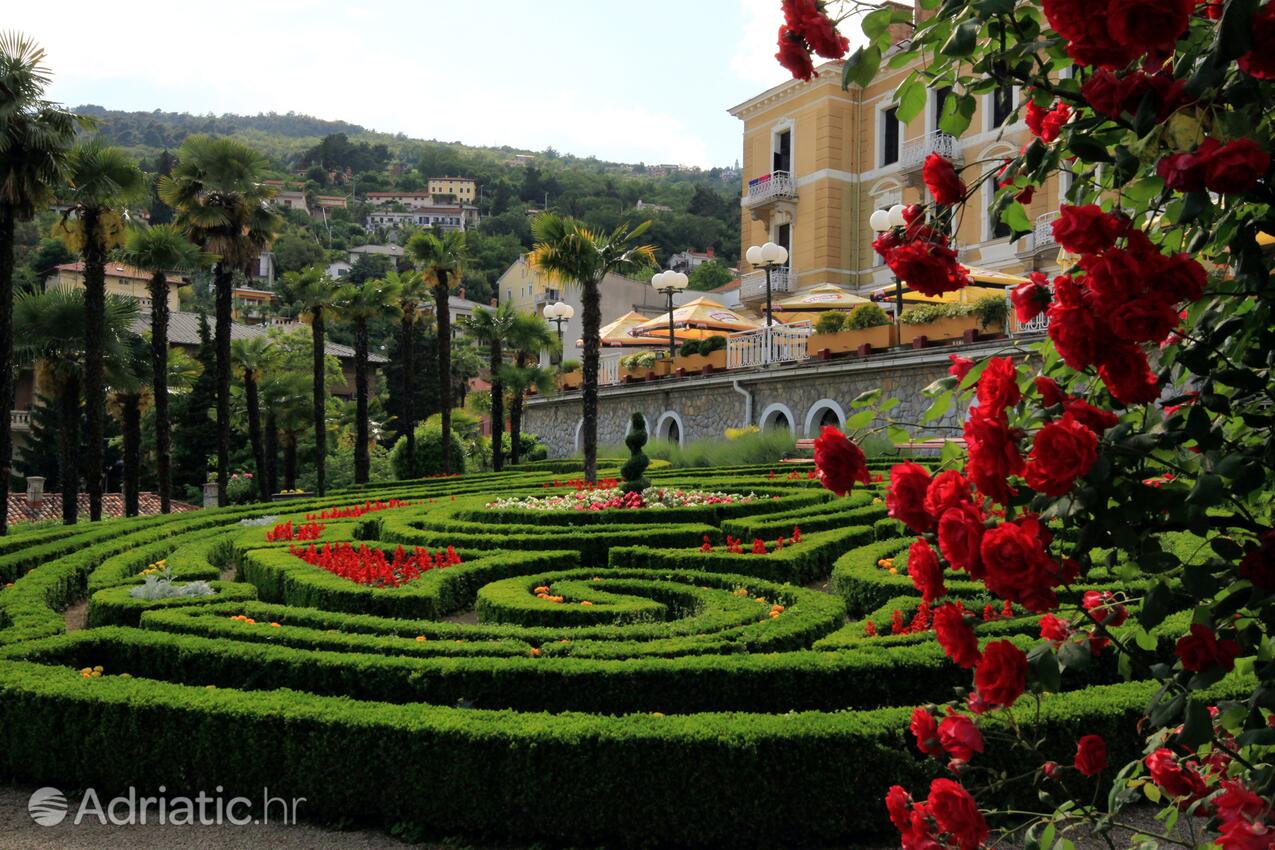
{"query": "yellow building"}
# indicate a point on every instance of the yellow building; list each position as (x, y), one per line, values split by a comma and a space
(461, 188)
(121, 280)
(819, 160)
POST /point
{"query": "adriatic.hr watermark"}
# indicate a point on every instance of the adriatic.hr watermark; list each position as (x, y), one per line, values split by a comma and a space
(50, 807)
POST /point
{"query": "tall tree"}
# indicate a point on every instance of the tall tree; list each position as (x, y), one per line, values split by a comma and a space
(54, 325)
(100, 181)
(159, 249)
(528, 335)
(251, 356)
(129, 395)
(220, 201)
(411, 287)
(490, 328)
(571, 253)
(312, 292)
(360, 304)
(442, 258)
(35, 135)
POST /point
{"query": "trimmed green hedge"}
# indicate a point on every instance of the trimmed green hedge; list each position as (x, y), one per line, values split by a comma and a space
(114, 606)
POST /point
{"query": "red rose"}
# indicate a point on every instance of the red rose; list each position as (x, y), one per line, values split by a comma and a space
(1243, 834)
(1145, 319)
(942, 180)
(1258, 565)
(1031, 298)
(793, 54)
(955, 635)
(840, 463)
(905, 497)
(1062, 452)
(1127, 374)
(1091, 755)
(1050, 393)
(1149, 26)
(957, 814)
(1075, 332)
(925, 571)
(1235, 167)
(1237, 801)
(928, 268)
(1201, 649)
(1001, 675)
(822, 36)
(1093, 418)
(960, 366)
(898, 803)
(885, 244)
(1054, 630)
(960, 737)
(1051, 127)
(1017, 567)
(1181, 277)
(1260, 61)
(998, 385)
(947, 490)
(1106, 93)
(993, 454)
(960, 536)
(1184, 172)
(1213, 9)
(1174, 779)
(926, 732)
(1087, 229)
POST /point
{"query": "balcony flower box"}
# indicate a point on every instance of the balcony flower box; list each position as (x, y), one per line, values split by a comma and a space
(693, 364)
(571, 380)
(839, 342)
(940, 323)
(947, 329)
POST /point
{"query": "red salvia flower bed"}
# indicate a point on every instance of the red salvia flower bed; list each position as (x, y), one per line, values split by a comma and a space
(356, 511)
(370, 566)
(287, 531)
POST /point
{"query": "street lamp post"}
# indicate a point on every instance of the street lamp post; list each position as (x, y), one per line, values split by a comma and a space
(669, 283)
(558, 313)
(768, 256)
(881, 221)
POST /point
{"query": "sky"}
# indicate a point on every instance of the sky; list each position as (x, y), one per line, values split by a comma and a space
(631, 82)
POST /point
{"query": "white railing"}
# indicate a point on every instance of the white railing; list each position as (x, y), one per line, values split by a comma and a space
(1038, 325)
(776, 184)
(773, 344)
(914, 151)
(752, 286)
(20, 420)
(1042, 235)
(609, 370)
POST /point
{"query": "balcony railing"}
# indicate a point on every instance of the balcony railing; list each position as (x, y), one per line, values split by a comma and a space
(609, 370)
(20, 420)
(913, 153)
(770, 187)
(1038, 325)
(1042, 236)
(773, 344)
(752, 286)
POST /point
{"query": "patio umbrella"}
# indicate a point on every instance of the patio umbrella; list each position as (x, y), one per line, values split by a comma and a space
(825, 296)
(616, 334)
(697, 319)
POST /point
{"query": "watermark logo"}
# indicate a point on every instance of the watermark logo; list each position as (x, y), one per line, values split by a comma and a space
(47, 807)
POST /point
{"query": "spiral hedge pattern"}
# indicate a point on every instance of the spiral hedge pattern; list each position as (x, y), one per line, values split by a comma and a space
(623, 670)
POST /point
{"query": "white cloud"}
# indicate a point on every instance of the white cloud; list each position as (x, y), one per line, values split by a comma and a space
(754, 57)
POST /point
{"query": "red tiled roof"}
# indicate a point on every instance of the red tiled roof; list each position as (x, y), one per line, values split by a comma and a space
(50, 507)
(114, 270)
(727, 287)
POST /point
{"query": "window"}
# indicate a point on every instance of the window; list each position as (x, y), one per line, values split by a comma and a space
(890, 135)
(783, 236)
(1002, 104)
(996, 228)
(940, 98)
(782, 159)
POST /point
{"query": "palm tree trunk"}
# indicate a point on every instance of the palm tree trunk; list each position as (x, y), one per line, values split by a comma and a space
(407, 352)
(290, 461)
(223, 278)
(6, 360)
(94, 356)
(254, 433)
(443, 314)
(320, 404)
(592, 321)
(362, 464)
(159, 385)
(69, 448)
(271, 441)
(497, 408)
(515, 415)
(132, 427)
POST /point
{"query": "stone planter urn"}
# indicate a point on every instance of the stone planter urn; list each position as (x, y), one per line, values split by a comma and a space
(210, 494)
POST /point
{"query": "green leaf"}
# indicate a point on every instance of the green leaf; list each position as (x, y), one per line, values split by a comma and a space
(865, 398)
(876, 23)
(951, 452)
(1156, 605)
(1208, 490)
(1016, 217)
(1042, 664)
(910, 96)
(862, 65)
(1198, 727)
(860, 420)
(941, 405)
(889, 404)
(898, 435)
(1088, 149)
(958, 111)
(961, 43)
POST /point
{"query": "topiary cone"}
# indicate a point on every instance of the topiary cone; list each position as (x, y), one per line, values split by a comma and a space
(634, 482)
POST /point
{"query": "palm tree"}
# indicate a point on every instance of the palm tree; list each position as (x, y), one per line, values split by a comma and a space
(411, 287)
(528, 336)
(441, 257)
(100, 181)
(490, 328)
(569, 252)
(313, 292)
(54, 324)
(35, 135)
(286, 395)
(359, 304)
(251, 356)
(160, 249)
(220, 202)
(129, 395)
(466, 365)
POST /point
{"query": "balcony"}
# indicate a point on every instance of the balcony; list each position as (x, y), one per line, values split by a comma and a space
(768, 344)
(775, 186)
(914, 151)
(752, 286)
(20, 420)
(1040, 242)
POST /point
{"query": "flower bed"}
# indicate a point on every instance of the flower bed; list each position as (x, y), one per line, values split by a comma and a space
(370, 566)
(601, 499)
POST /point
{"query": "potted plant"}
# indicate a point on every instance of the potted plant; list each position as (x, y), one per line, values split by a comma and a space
(636, 366)
(837, 332)
(695, 354)
(570, 375)
(943, 322)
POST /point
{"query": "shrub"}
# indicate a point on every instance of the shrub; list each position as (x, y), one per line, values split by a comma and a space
(712, 343)
(991, 310)
(429, 454)
(830, 322)
(867, 316)
(638, 360)
(691, 346)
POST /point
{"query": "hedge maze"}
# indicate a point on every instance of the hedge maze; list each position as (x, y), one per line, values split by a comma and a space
(696, 676)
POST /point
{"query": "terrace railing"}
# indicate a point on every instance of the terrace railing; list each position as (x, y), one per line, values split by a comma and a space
(765, 345)
(769, 187)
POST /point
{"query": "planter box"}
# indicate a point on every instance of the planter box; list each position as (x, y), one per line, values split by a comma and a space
(288, 497)
(882, 336)
(695, 363)
(571, 380)
(945, 330)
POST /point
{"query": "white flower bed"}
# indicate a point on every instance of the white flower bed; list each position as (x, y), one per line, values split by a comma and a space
(613, 497)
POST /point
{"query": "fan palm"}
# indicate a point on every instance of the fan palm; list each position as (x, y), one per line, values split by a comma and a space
(129, 394)
(490, 328)
(100, 181)
(528, 336)
(54, 323)
(441, 257)
(251, 356)
(220, 201)
(35, 135)
(412, 293)
(286, 395)
(157, 250)
(359, 304)
(313, 292)
(569, 252)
